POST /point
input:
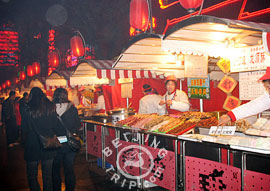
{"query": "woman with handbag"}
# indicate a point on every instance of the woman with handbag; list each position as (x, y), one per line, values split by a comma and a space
(39, 120)
(68, 124)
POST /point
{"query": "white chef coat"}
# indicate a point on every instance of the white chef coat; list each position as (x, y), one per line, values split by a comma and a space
(100, 103)
(180, 101)
(150, 104)
(253, 107)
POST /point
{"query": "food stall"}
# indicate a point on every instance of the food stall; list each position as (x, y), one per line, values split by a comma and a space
(58, 79)
(198, 156)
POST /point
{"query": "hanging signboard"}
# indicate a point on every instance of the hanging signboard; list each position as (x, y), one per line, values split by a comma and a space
(199, 88)
(227, 84)
(224, 64)
(196, 66)
(252, 58)
(231, 102)
(249, 86)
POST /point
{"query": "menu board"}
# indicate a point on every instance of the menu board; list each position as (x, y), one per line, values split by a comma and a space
(249, 86)
(199, 88)
(196, 66)
(252, 58)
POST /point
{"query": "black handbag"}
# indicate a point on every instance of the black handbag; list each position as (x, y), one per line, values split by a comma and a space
(47, 143)
(73, 140)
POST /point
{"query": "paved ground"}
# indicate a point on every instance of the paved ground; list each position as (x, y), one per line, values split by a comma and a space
(13, 171)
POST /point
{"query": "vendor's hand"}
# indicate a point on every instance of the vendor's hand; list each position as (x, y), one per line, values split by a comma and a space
(169, 102)
(162, 102)
(224, 120)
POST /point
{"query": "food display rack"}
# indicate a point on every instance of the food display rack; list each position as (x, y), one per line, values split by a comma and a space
(232, 161)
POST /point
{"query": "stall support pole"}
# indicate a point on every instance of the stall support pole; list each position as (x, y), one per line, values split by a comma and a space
(85, 132)
(141, 143)
(117, 137)
(228, 157)
(127, 102)
(201, 105)
(243, 167)
(219, 155)
(182, 164)
(103, 146)
(176, 165)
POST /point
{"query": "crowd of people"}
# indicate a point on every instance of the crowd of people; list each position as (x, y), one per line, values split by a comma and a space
(27, 119)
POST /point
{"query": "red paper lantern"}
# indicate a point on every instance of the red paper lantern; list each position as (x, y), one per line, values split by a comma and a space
(17, 80)
(77, 46)
(30, 71)
(53, 59)
(8, 83)
(139, 14)
(22, 75)
(191, 5)
(4, 86)
(36, 68)
(0, 88)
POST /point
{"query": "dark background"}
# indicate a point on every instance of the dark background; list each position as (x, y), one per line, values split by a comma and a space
(104, 24)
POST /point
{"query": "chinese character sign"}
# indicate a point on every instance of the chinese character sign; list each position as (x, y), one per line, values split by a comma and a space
(227, 84)
(252, 58)
(199, 88)
(231, 102)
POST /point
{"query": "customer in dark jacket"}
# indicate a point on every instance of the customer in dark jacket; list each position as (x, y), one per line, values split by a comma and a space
(9, 119)
(41, 119)
(69, 115)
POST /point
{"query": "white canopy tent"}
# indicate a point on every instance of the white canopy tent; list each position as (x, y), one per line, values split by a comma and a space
(86, 75)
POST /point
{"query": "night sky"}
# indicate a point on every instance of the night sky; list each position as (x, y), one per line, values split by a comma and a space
(104, 24)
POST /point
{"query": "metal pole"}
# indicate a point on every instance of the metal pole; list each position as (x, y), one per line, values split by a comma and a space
(201, 105)
(180, 84)
(151, 17)
(86, 154)
(103, 146)
(219, 155)
(184, 165)
(228, 156)
(127, 102)
(176, 165)
(243, 167)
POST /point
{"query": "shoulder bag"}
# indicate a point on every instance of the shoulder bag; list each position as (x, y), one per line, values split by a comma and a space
(46, 142)
(73, 140)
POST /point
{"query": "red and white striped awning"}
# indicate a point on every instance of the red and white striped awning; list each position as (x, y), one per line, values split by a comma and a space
(135, 74)
(105, 70)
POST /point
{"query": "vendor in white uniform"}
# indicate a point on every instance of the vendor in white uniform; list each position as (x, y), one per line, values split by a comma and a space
(174, 101)
(149, 103)
(100, 106)
(253, 107)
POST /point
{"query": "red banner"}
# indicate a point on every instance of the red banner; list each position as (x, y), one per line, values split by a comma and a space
(256, 181)
(94, 144)
(204, 174)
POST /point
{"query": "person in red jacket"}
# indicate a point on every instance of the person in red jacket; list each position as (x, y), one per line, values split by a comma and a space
(253, 107)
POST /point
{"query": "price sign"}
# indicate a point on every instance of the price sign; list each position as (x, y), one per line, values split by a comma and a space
(228, 130)
(227, 84)
(249, 87)
(231, 102)
(199, 88)
(222, 130)
(251, 58)
(214, 130)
